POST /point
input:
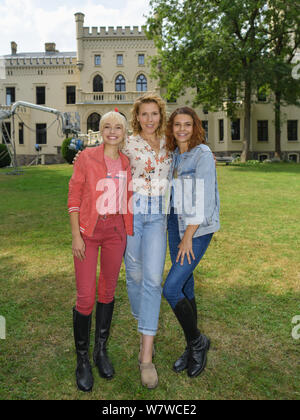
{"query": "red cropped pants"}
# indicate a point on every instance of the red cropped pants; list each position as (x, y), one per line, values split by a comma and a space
(110, 236)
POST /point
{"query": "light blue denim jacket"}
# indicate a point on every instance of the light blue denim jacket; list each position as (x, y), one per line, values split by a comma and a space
(196, 195)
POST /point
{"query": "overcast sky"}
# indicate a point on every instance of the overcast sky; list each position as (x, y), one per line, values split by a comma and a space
(31, 23)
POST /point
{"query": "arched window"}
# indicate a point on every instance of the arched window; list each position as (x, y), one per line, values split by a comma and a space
(120, 85)
(98, 84)
(141, 83)
(93, 122)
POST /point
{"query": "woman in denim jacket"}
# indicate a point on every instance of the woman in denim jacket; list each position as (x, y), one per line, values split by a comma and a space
(193, 219)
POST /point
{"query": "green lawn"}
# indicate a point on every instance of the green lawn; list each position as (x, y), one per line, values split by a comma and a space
(248, 291)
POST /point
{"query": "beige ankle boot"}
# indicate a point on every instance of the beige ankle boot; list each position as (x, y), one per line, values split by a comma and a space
(149, 375)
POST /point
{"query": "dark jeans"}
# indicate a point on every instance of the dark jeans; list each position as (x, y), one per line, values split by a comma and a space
(180, 281)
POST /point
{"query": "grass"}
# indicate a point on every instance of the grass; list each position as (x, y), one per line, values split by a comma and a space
(247, 287)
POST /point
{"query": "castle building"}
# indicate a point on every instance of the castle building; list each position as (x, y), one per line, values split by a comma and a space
(111, 69)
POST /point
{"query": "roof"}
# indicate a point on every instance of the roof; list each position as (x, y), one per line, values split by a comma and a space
(42, 55)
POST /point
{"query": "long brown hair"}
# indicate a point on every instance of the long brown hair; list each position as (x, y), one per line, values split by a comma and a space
(198, 136)
(149, 98)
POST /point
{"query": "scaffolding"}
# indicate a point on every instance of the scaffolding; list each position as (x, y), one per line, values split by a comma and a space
(67, 123)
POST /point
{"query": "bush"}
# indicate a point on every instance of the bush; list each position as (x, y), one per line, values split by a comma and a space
(5, 159)
(252, 163)
(67, 153)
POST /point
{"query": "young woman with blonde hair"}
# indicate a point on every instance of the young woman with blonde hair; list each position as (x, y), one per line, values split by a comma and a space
(99, 198)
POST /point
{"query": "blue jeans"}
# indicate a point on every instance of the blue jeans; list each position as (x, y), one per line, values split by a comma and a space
(144, 261)
(180, 281)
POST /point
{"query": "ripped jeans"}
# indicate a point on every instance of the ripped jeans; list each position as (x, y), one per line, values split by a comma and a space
(144, 260)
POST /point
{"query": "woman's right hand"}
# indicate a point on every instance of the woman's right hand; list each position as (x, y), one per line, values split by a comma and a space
(78, 247)
(76, 157)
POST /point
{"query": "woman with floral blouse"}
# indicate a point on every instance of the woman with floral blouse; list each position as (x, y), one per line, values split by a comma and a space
(146, 250)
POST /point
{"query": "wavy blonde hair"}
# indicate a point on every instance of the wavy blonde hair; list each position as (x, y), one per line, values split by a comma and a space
(149, 98)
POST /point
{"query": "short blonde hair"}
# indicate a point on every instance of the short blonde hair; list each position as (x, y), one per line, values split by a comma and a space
(149, 98)
(117, 118)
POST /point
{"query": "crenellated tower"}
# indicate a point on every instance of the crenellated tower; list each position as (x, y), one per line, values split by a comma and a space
(79, 18)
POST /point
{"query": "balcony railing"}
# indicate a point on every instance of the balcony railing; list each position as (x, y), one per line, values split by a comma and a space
(107, 97)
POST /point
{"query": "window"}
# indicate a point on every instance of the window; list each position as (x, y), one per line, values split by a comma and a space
(205, 127)
(171, 99)
(97, 60)
(120, 59)
(236, 129)
(141, 83)
(262, 158)
(98, 84)
(141, 59)
(40, 95)
(71, 95)
(292, 130)
(93, 122)
(10, 95)
(261, 95)
(221, 130)
(6, 132)
(21, 133)
(120, 84)
(293, 158)
(41, 134)
(263, 130)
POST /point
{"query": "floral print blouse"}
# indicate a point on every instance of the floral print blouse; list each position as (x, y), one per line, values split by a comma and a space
(149, 170)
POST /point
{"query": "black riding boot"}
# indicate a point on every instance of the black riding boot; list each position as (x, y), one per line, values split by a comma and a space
(198, 344)
(82, 329)
(182, 363)
(104, 315)
(198, 355)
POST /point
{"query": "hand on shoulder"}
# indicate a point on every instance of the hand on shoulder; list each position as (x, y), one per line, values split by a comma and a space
(77, 157)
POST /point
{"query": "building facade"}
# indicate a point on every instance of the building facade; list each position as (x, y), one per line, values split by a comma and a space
(111, 69)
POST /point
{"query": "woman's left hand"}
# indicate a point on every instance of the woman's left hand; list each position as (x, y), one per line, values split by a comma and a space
(185, 249)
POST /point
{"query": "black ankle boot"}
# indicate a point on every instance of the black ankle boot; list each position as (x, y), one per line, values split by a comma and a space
(198, 344)
(82, 329)
(104, 315)
(182, 363)
(198, 355)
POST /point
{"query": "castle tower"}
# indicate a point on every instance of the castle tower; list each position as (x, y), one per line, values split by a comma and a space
(79, 19)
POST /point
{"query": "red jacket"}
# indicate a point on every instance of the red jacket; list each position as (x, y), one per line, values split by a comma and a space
(89, 169)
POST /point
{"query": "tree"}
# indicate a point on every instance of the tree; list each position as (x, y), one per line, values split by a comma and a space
(284, 29)
(218, 47)
(67, 153)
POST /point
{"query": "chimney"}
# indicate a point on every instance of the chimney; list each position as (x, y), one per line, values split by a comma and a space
(50, 47)
(14, 48)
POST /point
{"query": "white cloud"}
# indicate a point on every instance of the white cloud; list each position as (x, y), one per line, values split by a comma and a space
(31, 23)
